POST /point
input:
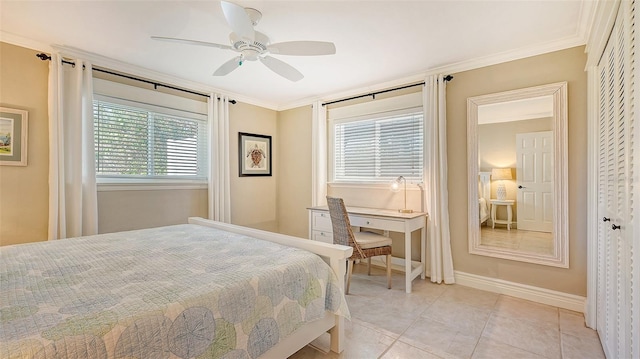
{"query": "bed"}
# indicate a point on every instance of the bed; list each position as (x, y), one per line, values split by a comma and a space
(483, 210)
(199, 290)
(484, 194)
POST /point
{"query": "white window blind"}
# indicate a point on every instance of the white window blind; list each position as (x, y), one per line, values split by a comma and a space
(379, 148)
(133, 142)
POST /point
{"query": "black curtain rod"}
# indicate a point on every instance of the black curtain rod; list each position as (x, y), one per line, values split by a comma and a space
(373, 94)
(45, 57)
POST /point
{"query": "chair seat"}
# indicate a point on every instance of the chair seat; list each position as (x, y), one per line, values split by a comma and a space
(368, 240)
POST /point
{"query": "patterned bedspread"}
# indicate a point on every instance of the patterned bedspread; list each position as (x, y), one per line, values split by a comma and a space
(184, 291)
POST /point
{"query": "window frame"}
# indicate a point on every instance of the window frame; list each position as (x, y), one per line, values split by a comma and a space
(394, 106)
(153, 101)
(372, 117)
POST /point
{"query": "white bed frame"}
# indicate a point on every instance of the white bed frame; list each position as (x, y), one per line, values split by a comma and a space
(485, 192)
(335, 255)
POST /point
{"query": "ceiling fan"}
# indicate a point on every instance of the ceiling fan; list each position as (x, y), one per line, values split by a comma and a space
(254, 45)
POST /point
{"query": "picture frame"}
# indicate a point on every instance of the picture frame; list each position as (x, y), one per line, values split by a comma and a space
(254, 154)
(14, 132)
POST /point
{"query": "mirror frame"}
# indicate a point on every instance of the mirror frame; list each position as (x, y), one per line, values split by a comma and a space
(560, 255)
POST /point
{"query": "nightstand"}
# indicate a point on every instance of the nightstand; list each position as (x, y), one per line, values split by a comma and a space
(502, 202)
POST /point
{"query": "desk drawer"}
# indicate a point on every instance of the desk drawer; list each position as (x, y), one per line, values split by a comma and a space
(322, 236)
(377, 223)
(321, 221)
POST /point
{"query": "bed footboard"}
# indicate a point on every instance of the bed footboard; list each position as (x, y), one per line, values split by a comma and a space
(335, 256)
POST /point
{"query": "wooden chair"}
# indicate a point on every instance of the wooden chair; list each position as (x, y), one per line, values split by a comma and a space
(365, 244)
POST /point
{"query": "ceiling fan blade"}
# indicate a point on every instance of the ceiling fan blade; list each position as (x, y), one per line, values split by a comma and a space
(303, 48)
(282, 68)
(238, 20)
(228, 66)
(191, 42)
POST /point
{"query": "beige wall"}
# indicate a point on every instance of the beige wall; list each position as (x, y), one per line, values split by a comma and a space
(294, 171)
(567, 65)
(253, 199)
(24, 191)
(137, 209)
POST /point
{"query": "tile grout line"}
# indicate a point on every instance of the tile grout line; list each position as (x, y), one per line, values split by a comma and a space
(560, 335)
(528, 351)
(409, 326)
(485, 325)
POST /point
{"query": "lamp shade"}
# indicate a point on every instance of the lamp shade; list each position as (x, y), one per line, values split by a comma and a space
(395, 187)
(501, 174)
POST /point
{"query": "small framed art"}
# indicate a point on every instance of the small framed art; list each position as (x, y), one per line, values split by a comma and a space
(13, 137)
(254, 154)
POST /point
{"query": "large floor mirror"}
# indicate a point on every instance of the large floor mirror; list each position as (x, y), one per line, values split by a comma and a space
(517, 160)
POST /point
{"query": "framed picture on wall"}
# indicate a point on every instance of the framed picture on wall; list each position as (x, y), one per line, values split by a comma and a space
(254, 154)
(13, 137)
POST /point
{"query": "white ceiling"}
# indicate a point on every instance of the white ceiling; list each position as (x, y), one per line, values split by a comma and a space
(378, 42)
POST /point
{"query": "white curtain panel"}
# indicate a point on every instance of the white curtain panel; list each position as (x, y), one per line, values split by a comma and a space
(440, 262)
(319, 154)
(73, 205)
(219, 178)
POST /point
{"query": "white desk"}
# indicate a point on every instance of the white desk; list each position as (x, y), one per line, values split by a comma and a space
(502, 202)
(384, 219)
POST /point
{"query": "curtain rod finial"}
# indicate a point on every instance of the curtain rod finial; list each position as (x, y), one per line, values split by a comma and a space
(42, 56)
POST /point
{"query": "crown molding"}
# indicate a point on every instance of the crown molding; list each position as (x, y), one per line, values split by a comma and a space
(587, 19)
(358, 91)
(21, 41)
(116, 65)
(604, 17)
(512, 55)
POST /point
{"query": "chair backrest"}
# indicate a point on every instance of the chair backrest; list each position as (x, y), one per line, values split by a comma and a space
(342, 232)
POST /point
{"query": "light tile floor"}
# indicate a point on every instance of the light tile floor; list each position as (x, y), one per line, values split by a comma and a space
(526, 241)
(452, 321)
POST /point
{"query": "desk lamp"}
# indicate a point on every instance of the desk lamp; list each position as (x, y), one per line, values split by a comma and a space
(395, 187)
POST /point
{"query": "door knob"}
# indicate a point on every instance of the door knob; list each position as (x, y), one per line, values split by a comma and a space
(521, 187)
(605, 219)
(614, 227)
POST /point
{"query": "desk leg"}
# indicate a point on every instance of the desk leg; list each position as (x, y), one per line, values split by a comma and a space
(407, 260)
(509, 216)
(423, 251)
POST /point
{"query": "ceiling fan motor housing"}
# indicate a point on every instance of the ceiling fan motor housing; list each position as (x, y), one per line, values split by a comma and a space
(250, 50)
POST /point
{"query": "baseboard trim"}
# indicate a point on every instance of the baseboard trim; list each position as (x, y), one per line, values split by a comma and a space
(523, 291)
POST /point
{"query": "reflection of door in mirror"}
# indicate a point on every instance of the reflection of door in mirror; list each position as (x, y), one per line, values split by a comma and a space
(517, 159)
(534, 171)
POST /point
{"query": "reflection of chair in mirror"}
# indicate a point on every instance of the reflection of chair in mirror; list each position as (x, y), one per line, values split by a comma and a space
(365, 244)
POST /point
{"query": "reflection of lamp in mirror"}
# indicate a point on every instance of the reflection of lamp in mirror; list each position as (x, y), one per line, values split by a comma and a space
(501, 174)
(395, 187)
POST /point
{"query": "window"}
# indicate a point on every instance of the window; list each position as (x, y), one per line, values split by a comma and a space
(378, 148)
(134, 142)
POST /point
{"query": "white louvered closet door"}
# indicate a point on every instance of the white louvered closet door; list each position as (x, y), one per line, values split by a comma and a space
(618, 300)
